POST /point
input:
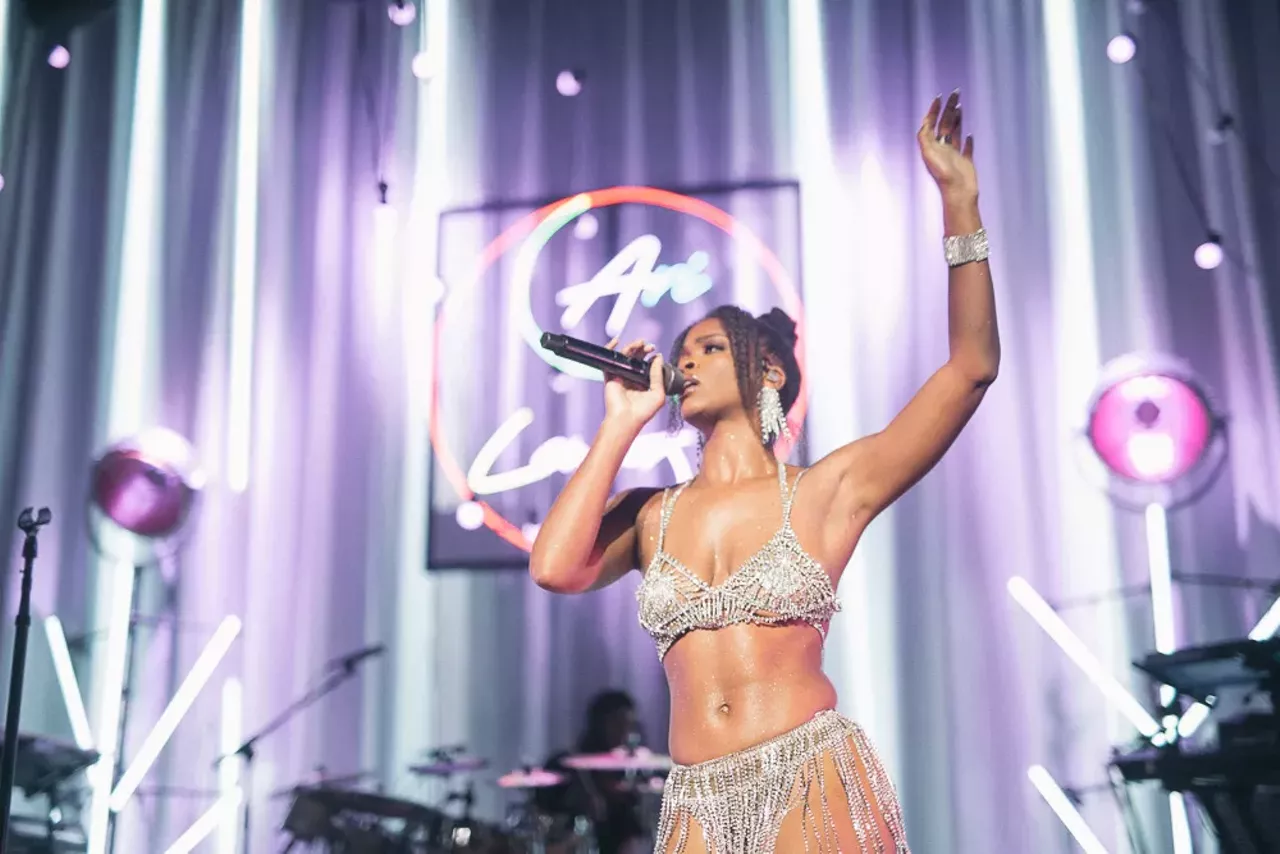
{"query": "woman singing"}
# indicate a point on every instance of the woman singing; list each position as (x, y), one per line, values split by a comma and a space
(742, 562)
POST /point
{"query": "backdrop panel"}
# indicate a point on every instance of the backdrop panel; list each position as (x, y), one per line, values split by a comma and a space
(511, 420)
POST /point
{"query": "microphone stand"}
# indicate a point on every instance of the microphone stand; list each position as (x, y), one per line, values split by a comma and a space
(29, 524)
(345, 671)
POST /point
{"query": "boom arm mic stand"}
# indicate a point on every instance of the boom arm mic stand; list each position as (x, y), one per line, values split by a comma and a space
(29, 522)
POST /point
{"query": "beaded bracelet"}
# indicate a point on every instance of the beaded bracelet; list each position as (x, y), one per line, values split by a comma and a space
(965, 248)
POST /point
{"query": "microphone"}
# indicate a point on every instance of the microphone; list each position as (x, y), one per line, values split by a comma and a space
(611, 362)
(348, 662)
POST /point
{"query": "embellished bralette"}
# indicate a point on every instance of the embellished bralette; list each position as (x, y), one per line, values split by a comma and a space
(780, 583)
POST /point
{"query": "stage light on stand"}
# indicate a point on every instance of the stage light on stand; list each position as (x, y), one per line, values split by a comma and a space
(1154, 429)
(1122, 48)
(402, 12)
(1209, 254)
(142, 493)
(59, 57)
(147, 485)
(569, 83)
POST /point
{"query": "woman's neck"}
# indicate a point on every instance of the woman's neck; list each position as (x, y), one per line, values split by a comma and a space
(732, 453)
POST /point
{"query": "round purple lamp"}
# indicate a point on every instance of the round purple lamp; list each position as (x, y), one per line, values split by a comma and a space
(1154, 428)
(147, 484)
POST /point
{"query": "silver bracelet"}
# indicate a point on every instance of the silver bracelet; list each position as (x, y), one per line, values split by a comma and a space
(965, 248)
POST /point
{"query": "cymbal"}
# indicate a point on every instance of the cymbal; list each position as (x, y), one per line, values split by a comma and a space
(619, 759)
(531, 778)
(341, 782)
(445, 767)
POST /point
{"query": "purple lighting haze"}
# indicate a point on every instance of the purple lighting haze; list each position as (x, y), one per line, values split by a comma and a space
(1150, 428)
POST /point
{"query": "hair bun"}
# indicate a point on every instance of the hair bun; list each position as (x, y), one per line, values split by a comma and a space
(780, 324)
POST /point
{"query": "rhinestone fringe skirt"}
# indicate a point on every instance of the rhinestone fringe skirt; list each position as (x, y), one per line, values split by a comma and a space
(740, 800)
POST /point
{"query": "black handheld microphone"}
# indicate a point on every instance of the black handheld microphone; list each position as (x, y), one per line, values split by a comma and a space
(611, 362)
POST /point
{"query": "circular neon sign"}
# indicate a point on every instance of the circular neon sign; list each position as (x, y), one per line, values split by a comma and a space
(530, 235)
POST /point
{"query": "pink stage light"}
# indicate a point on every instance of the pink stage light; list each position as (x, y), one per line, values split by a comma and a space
(59, 57)
(147, 485)
(1151, 427)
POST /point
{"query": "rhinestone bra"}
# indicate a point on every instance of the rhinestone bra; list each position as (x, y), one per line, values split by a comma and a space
(780, 583)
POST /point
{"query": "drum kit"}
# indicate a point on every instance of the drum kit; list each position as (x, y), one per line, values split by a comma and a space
(336, 815)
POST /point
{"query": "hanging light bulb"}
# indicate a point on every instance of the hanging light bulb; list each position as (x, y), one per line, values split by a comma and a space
(1122, 48)
(1221, 129)
(402, 12)
(569, 82)
(1209, 254)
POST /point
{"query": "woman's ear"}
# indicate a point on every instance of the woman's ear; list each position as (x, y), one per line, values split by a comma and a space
(774, 376)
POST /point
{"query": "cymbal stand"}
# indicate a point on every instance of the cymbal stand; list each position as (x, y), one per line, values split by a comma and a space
(247, 751)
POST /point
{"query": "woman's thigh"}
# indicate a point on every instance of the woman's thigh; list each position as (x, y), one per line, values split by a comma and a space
(824, 823)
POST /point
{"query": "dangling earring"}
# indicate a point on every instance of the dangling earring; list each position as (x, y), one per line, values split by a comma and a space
(773, 421)
(701, 444)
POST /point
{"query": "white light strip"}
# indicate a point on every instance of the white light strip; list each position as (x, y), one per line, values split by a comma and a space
(1161, 587)
(120, 582)
(204, 825)
(383, 273)
(1065, 810)
(229, 792)
(5, 53)
(1071, 644)
(1181, 824)
(178, 707)
(1162, 617)
(131, 383)
(244, 265)
(65, 671)
(1268, 625)
(416, 713)
(1192, 718)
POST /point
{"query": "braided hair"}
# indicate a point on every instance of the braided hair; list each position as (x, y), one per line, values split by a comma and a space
(750, 340)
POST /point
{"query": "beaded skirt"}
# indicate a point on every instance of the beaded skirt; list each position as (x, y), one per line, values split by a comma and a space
(740, 800)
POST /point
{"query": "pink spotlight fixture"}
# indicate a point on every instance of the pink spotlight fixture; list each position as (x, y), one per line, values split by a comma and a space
(1152, 425)
(146, 485)
(59, 57)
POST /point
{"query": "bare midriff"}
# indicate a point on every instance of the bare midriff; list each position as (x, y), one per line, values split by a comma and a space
(735, 687)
